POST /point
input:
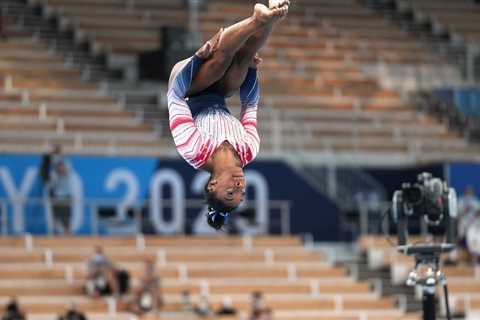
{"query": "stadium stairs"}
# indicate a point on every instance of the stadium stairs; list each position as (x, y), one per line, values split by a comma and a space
(45, 100)
(139, 98)
(298, 283)
(383, 275)
(436, 23)
(421, 26)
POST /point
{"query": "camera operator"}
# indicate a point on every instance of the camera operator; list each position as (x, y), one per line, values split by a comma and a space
(148, 297)
(473, 237)
(468, 205)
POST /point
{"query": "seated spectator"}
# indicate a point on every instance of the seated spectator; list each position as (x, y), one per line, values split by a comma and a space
(61, 191)
(203, 310)
(227, 308)
(148, 296)
(258, 311)
(102, 275)
(72, 314)
(12, 311)
(186, 302)
(267, 314)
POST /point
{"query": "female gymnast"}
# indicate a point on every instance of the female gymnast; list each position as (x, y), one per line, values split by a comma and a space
(206, 135)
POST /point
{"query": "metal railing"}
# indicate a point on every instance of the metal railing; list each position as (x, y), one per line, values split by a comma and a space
(136, 216)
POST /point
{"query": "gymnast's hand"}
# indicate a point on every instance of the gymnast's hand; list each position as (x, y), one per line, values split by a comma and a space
(256, 61)
(207, 50)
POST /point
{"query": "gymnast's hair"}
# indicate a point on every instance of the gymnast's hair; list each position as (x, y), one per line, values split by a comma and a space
(218, 210)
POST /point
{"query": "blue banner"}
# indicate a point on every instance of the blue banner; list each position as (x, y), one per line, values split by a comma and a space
(161, 190)
(462, 175)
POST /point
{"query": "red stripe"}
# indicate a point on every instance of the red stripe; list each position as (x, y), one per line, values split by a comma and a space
(249, 123)
(179, 121)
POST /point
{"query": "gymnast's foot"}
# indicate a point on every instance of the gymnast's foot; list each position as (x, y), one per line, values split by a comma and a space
(272, 4)
(265, 15)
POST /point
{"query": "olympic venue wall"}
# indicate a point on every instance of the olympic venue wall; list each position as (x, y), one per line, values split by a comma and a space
(168, 194)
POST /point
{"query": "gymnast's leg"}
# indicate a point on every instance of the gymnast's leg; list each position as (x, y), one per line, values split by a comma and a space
(247, 56)
(228, 42)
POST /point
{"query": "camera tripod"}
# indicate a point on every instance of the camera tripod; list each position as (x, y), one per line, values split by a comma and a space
(429, 256)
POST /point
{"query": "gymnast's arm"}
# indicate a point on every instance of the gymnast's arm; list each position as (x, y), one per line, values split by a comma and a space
(187, 138)
(249, 97)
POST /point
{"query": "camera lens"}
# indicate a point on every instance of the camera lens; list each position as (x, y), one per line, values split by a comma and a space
(412, 195)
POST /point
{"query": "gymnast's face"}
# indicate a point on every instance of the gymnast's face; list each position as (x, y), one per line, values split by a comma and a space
(229, 186)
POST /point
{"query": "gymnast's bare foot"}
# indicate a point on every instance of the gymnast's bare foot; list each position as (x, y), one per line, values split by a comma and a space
(272, 4)
(266, 15)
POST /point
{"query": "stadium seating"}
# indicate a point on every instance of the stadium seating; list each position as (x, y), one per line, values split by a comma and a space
(47, 273)
(313, 73)
(463, 278)
(461, 18)
(118, 26)
(44, 101)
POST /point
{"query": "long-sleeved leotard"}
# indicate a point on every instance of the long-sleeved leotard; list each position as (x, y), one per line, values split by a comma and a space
(197, 137)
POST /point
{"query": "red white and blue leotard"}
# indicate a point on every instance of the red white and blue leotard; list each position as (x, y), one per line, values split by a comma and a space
(201, 123)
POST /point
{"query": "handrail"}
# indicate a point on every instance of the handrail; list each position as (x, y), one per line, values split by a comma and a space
(282, 208)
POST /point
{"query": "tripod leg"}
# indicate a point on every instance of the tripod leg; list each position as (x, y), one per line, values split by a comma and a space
(445, 295)
(428, 302)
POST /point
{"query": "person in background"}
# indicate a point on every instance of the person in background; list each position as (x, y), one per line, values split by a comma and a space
(186, 304)
(57, 156)
(72, 313)
(148, 297)
(102, 275)
(227, 308)
(48, 162)
(61, 196)
(257, 308)
(267, 314)
(13, 311)
(473, 238)
(203, 310)
(468, 205)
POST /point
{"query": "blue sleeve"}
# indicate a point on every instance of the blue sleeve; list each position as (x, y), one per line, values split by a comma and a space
(250, 89)
(184, 79)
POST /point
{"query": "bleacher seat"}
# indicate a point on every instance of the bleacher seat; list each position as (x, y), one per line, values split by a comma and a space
(468, 101)
(297, 283)
(314, 63)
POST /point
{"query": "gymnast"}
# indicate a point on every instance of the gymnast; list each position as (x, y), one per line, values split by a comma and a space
(204, 131)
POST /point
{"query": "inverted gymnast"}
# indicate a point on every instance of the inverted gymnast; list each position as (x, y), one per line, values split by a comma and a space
(206, 135)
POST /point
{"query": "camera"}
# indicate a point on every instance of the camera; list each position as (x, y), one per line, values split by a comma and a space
(429, 198)
(433, 201)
